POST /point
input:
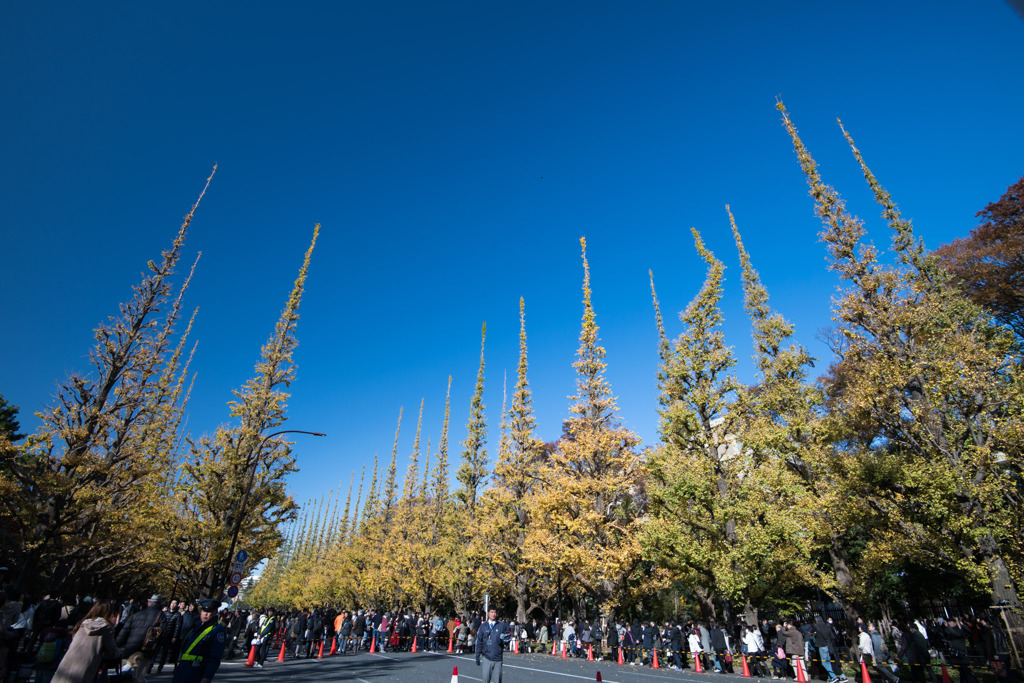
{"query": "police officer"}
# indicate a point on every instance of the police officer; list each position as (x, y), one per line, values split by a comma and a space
(202, 647)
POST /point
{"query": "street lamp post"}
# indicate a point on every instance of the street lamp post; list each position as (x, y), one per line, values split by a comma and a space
(245, 496)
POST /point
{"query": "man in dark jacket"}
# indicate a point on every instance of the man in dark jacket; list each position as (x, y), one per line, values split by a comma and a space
(674, 639)
(956, 635)
(648, 642)
(825, 641)
(170, 642)
(490, 638)
(359, 630)
(203, 647)
(914, 647)
(132, 636)
(718, 647)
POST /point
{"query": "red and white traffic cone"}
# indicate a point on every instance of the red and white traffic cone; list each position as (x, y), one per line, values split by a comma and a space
(800, 676)
(598, 676)
(455, 675)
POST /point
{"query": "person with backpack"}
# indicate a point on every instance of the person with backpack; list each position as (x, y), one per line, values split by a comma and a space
(92, 640)
(53, 641)
(142, 633)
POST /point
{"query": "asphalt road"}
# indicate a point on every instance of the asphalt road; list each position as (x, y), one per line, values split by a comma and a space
(426, 667)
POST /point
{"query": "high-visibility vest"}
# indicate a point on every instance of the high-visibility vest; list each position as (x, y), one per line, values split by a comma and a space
(188, 656)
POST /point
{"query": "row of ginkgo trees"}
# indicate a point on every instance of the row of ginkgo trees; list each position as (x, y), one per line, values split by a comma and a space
(111, 496)
(893, 479)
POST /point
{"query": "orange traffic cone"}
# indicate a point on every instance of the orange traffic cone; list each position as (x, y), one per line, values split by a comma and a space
(621, 660)
(252, 656)
(455, 675)
(654, 662)
(320, 654)
(564, 655)
(746, 669)
(554, 648)
(598, 676)
(334, 647)
(590, 652)
(945, 674)
(280, 657)
(697, 668)
(449, 644)
(414, 644)
(373, 645)
(800, 676)
(867, 677)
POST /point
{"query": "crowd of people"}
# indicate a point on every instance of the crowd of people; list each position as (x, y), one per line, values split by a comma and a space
(821, 648)
(86, 639)
(69, 641)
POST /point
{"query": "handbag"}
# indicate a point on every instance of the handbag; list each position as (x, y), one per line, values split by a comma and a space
(153, 635)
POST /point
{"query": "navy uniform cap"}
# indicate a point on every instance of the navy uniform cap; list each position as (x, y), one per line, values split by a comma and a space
(209, 605)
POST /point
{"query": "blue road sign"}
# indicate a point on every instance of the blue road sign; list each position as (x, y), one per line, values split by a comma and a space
(242, 556)
(233, 591)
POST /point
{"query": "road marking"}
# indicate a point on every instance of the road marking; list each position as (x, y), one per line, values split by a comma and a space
(505, 665)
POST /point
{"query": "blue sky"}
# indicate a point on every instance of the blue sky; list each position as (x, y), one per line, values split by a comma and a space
(454, 153)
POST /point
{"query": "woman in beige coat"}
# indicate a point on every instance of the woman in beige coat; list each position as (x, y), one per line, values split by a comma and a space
(91, 642)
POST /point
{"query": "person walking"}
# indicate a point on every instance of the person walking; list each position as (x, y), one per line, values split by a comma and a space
(170, 643)
(490, 639)
(92, 641)
(141, 634)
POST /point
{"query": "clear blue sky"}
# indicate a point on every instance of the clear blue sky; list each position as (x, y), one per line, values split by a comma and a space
(454, 153)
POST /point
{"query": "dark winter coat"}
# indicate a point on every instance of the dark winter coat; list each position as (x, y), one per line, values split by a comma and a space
(489, 640)
(914, 647)
(824, 634)
(133, 633)
(718, 641)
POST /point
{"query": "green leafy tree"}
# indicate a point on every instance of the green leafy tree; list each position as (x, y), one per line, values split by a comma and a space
(926, 396)
(9, 425)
